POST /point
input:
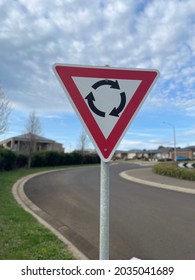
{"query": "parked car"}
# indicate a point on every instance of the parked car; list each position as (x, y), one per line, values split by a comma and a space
(180, 158)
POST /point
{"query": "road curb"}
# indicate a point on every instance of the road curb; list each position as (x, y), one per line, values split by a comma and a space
(156, 184)
(38, 214)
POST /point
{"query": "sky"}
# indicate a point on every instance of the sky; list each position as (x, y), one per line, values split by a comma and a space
(145, 34)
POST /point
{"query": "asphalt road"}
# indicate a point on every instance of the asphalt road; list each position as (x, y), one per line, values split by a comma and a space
(145, 222)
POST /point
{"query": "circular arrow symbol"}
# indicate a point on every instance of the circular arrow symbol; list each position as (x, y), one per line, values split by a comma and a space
(112, 84)
(116, 111)
(91, 99)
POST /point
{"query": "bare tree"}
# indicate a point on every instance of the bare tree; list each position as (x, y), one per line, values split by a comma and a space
(32, 129)
(5, 110)
(83, 141)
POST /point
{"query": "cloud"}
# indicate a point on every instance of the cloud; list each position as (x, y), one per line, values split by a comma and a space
(143, 143)
(147, 34)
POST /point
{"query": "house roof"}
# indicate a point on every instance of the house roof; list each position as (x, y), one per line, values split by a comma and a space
(190, 148)
(159, 151)
(37, 137)
(28, 136)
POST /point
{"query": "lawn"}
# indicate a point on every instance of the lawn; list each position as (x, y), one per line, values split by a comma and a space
(21, 236)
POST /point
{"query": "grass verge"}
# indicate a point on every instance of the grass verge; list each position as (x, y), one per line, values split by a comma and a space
(172, 170)
(21, 236)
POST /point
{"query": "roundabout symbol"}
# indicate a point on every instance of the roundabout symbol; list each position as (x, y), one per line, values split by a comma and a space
(91, 99)
(106, 99)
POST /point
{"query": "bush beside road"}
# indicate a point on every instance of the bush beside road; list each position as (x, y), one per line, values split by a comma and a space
(172, 170)
(10, 160)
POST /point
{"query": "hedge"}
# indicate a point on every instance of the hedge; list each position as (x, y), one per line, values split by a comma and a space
(21, 160)
(10, 160)
(172, 170)
(52, 158)
(7, 160)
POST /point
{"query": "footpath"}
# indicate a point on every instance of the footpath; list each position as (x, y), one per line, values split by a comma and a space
(147, 177)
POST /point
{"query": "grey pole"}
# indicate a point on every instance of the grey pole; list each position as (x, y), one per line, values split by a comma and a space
(104, 211)
(174, 137)
(174, 140)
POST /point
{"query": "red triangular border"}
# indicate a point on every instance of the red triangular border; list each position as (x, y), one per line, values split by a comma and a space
(106, 147)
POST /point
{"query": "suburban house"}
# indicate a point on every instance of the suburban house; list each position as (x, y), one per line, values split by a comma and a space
(157, 154)
(162, 154)
(127, 155)
(19, 143)
(168, 153)
(187, 152)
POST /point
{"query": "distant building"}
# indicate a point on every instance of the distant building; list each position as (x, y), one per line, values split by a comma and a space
(19, 143)
(162, 154)
(127, 155)
(186, 153)
(159, 154)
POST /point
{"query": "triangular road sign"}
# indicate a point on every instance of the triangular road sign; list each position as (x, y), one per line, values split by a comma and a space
(106, 100)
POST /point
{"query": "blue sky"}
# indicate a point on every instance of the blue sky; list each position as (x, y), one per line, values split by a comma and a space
(158, 34)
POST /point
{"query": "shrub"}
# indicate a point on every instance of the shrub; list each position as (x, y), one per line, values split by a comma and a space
(91, 158)
(21, 160)
(52, 158)
(38, 160)
(172, 170)
(76, 158)
(67, 159)
(7, 159)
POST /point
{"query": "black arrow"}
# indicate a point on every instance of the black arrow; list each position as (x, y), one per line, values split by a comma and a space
(90, 99)
(116, 111)
(112, 84)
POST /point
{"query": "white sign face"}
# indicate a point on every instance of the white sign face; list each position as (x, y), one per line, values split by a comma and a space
(104, 99)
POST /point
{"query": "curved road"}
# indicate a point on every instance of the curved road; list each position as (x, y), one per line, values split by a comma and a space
(145, 222)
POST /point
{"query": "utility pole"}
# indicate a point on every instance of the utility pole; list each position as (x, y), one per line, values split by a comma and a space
(174, 139)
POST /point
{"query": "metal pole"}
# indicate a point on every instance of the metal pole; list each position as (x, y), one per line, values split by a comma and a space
(174, 137)
(174, 140)
(104, 211)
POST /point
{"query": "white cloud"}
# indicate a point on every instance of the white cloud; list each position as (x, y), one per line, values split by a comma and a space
(35, 34)
(143, 143)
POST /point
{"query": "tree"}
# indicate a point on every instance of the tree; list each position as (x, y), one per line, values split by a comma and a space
(5, 110)
(161, 147)
(83, 141)
(32, 129)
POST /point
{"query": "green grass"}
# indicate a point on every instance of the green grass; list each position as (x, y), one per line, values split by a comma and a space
(21, 236)
(172, 170)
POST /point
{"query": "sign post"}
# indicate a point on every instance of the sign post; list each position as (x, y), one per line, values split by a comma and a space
(104, 210)
(106, 101)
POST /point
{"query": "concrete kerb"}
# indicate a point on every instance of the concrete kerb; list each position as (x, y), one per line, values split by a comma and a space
(156, 184)
(37, 213)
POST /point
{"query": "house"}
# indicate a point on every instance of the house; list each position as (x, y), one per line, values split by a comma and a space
(160, 154)
(192, 149)
(20, 143)
(188, 153)
(127, 155)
